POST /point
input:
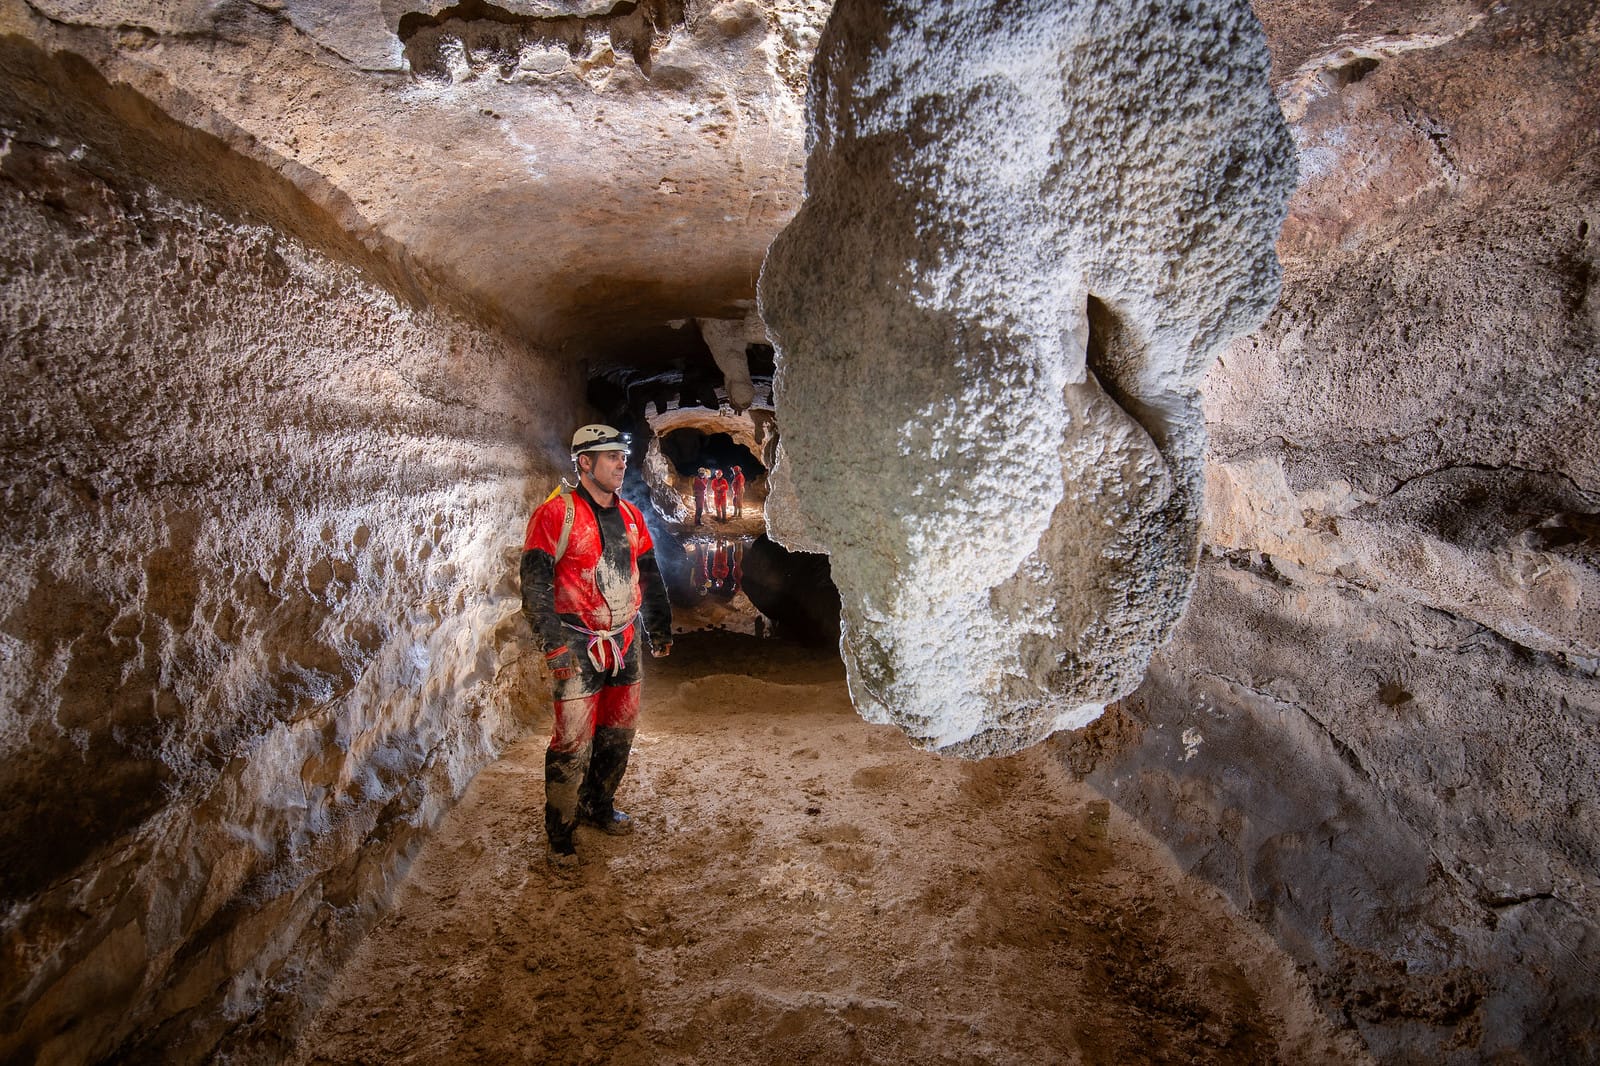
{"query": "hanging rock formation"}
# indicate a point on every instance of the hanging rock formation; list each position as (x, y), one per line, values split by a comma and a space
(1023, 241)
(728, 340)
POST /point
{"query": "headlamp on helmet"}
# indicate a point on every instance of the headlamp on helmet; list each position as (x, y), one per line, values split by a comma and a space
(599, 438)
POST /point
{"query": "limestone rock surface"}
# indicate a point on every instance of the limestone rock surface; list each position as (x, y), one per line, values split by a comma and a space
(584, 171)
(1025, 236)
(259, 619)
(1377, 725)
(728, 339)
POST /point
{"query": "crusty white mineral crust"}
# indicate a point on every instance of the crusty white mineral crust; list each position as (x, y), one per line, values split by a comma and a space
(1026, 235)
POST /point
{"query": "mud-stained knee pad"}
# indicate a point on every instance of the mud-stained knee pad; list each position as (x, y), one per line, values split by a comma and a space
(574, 723)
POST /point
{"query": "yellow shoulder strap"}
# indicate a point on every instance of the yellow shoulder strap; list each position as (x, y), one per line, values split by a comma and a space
(565, 492)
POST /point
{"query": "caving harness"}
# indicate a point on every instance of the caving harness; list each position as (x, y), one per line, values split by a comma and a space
(608, 637)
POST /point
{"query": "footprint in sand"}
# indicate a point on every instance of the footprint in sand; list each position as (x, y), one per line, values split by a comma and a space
(888, 777)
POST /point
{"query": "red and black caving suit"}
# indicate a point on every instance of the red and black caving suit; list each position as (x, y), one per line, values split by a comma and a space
(585, 612)
(719, 491)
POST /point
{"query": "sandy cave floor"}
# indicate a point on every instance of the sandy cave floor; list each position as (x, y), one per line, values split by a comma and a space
(807, 888)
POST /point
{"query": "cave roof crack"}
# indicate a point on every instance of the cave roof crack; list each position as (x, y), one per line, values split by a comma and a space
(1347, 752)
(1496, 468)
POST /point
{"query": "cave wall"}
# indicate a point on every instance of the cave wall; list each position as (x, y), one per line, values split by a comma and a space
(1377, 727)
(264, 494)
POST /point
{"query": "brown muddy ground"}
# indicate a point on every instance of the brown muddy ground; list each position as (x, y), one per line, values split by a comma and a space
(806, 888)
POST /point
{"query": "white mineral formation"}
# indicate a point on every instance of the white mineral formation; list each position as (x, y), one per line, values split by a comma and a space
(1025, 238)
(657, 475)
(729, 339)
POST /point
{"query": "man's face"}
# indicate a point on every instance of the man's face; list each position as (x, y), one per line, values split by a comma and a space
(606, 469)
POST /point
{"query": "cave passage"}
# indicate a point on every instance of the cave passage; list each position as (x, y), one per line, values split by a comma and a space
(723, 572)
(298, 314)
(691, 451)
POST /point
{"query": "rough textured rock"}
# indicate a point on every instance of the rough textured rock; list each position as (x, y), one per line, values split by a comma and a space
(657, 475)
(264, 409)
(585, 170)
(1400, 796)
(258, 610)
(744, 427)
(728, 340)
(1024, 239)
(1377, 726)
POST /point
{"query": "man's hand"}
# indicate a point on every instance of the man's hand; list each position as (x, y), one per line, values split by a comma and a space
(563, 664)
(661, 652)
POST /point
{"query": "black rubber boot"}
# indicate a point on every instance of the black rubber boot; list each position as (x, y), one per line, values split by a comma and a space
(596, 800)
(563, 771)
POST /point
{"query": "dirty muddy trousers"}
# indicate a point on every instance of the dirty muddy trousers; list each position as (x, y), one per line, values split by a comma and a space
(595, 718)
(582, 784)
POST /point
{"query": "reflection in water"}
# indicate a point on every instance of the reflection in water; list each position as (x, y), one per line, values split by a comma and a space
(709, 588)
(718, 564)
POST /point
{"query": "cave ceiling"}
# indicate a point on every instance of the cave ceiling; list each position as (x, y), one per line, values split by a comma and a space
(585, 172)
(592, 172)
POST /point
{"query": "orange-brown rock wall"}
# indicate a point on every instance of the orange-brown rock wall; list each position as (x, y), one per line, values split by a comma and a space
(1378, 725)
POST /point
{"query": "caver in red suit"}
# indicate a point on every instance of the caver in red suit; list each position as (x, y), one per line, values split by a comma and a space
(719, 490)
(738, 492)
(587, 602)
(701, 484)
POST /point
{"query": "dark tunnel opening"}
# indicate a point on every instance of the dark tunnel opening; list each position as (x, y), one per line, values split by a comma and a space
(691, 450)
(723, 573)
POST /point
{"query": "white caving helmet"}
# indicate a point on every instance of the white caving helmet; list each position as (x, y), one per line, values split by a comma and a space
(598, 438)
